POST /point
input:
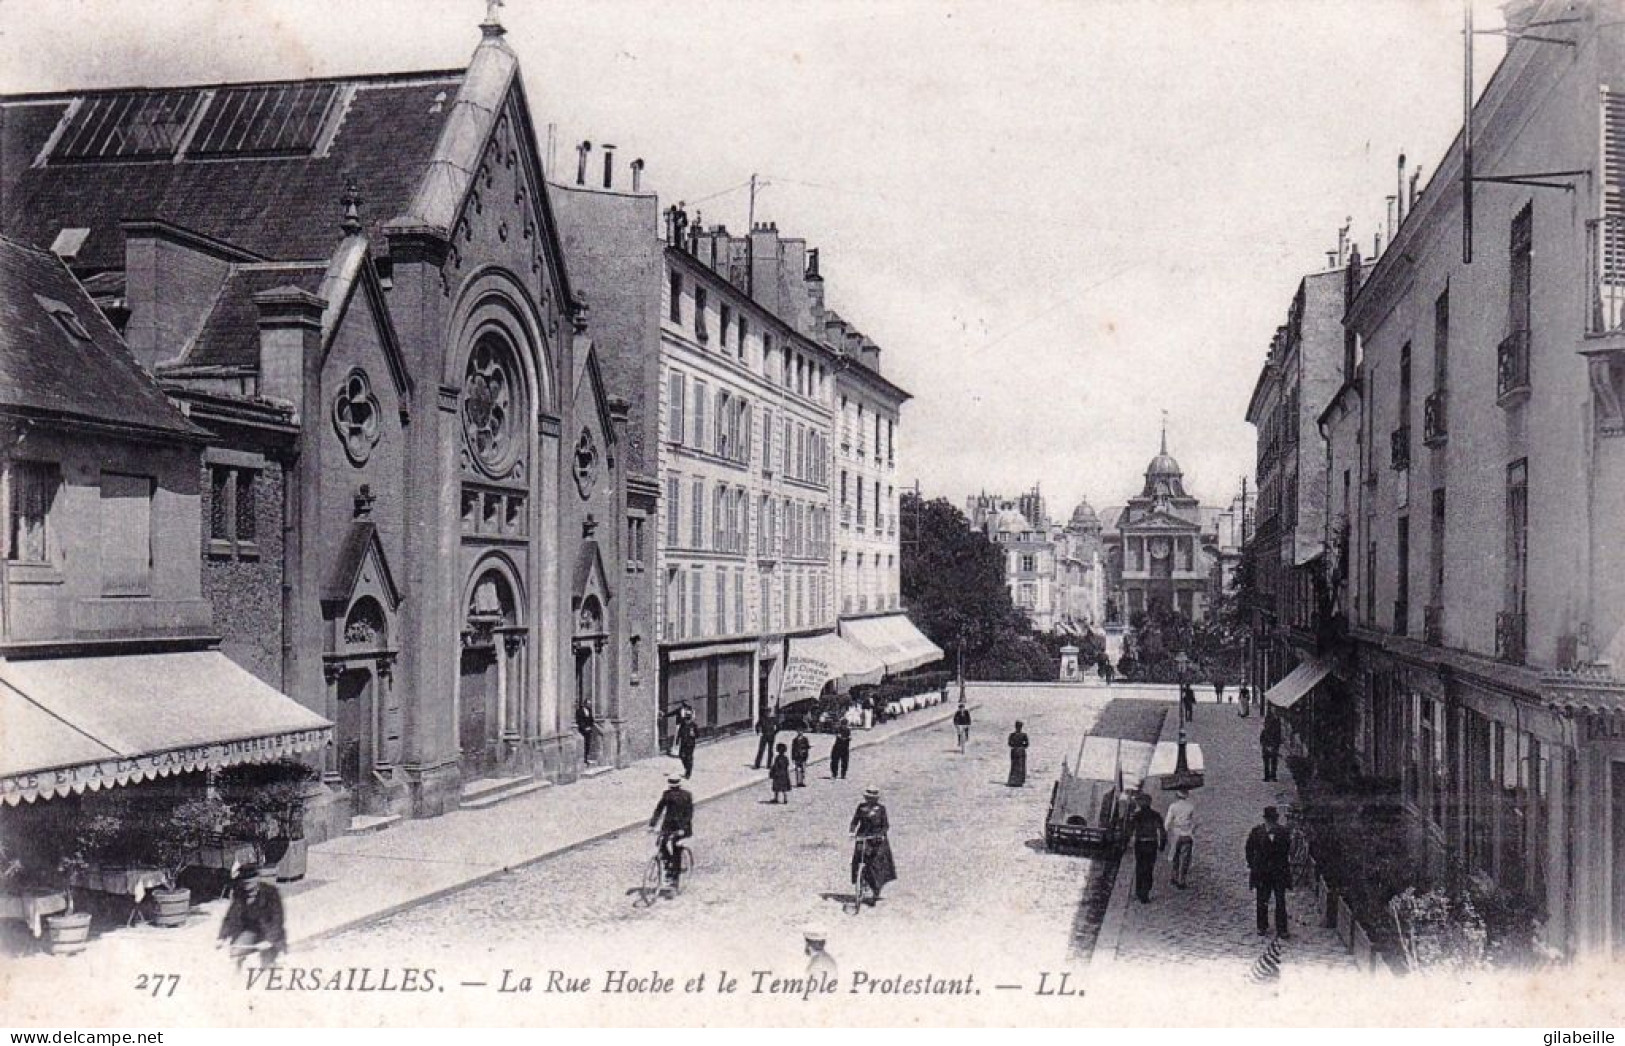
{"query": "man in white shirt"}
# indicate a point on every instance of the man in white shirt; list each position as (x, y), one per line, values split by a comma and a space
(1181, 822)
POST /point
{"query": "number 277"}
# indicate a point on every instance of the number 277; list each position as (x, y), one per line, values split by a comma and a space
(157, 982)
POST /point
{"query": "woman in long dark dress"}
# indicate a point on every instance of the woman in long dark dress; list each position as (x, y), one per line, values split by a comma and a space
(871, 846)
(1018, 757)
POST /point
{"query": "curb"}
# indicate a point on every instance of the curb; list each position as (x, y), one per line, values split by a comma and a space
(608, 833)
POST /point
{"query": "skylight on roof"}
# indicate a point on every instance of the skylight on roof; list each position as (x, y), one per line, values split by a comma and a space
(129, 125)
(272, 120)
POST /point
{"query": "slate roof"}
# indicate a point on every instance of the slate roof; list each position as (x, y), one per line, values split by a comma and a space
(47, 370)
(285, 208)
(230, 336)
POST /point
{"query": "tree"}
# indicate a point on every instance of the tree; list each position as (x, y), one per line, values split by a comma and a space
(953, 583)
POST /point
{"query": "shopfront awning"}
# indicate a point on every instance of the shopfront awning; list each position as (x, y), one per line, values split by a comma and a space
(894, 640)
(816, 660)
(1298, 682)
(76, 723)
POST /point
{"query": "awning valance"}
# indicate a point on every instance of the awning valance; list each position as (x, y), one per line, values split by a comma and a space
(816, 660)
(894, 640)
(74, 723)
(1298, 682)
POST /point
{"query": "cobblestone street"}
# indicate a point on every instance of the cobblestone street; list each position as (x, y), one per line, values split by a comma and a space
(1211, 924)
(972, 868)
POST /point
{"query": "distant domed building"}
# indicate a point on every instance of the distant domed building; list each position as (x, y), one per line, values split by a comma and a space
(1157, 549)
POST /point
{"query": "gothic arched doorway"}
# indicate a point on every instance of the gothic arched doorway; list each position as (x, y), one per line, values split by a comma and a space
(489, 676)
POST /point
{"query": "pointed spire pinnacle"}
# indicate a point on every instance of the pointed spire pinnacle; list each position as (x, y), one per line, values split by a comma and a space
(1164, 432)
(492, 26)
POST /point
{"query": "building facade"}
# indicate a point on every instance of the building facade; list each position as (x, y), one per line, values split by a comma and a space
(360, 282)
(1475, 478)
(1156, 549)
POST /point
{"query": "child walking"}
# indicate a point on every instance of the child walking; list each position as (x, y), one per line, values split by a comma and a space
(800, 751)
(779, 773)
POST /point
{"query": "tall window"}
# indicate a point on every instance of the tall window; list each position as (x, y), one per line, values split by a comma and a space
(34, 485)
(1441, 340)
(635, 552)
(697, 440)
(675, 304)
(744, 331)
(675, 413)
(860, 501)
(696, 602)
(700, 331)
(722, 600)
(1436, 551)
(767, 355)
(232, 510)
(767, 442)
(1521, 269)
(722, 445)
(696, 535)
(764, 602)
(1517, 531)
(719, 518)
(725, 325)
(676, 603)
(739, 601)
(1402, 582)
(126, 529)
(674, 504)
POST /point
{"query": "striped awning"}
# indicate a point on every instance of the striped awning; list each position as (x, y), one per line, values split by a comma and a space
(1297, 683)
(76, 723)
(815, 660)
(894, 640)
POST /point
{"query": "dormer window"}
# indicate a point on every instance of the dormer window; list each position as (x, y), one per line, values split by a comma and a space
(64, 316)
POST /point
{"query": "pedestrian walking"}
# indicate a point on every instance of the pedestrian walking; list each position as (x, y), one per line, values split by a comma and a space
(1269, 871)
(821, 965)
(840, 753)
(254, 921)
(1246, 702)
(778, 772)
(1018, 757)
(1180, 820)
(1269, 741)
(767, 732)
(1150, 838)
(1218, 691)
(962, 726)
(688, 735)
(800, 750)
(1187, 702)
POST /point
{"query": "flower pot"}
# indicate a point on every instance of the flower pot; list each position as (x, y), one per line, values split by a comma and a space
(170, 906)
(66, 934)
(292, 865)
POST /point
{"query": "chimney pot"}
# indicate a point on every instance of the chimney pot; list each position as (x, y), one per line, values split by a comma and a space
(581, 162)
(609, 166)
(637, 174)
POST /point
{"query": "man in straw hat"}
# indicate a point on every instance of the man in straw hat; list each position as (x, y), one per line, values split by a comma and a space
(675, 815)
(871, 846)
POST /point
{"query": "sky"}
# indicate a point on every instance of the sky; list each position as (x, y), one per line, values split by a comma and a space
(1059, 220)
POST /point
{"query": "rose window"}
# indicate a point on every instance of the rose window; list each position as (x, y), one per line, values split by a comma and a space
(492, 408)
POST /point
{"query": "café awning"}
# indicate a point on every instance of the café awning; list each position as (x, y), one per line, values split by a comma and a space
(1298, 682)
(894, 640)
(815, 660)
(76, 723)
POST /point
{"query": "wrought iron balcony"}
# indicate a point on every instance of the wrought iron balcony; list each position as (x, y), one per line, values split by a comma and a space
(1399, 448)
(1605, 276)
(1509, 637)
(1402, 617)
(1436, 418)
(1433, 625)
(1512, 366)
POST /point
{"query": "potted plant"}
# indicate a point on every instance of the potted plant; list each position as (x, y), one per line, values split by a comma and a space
(80, 844)
(268, 806)
(173, 838)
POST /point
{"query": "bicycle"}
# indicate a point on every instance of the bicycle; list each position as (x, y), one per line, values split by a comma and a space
(654, 875)
(863, 891)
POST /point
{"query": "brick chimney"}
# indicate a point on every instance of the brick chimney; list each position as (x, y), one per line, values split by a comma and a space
(869, 354)
(764, 266)
(290, 325)
(171, 281)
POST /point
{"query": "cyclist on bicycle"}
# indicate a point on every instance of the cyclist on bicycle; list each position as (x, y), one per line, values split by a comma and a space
(870, 847)
(675, 815)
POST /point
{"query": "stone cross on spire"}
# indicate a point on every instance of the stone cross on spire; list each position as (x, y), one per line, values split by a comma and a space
(492, 26)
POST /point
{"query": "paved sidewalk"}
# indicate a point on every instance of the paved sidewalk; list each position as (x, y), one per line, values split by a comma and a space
(353, 880)
(1211, 924)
